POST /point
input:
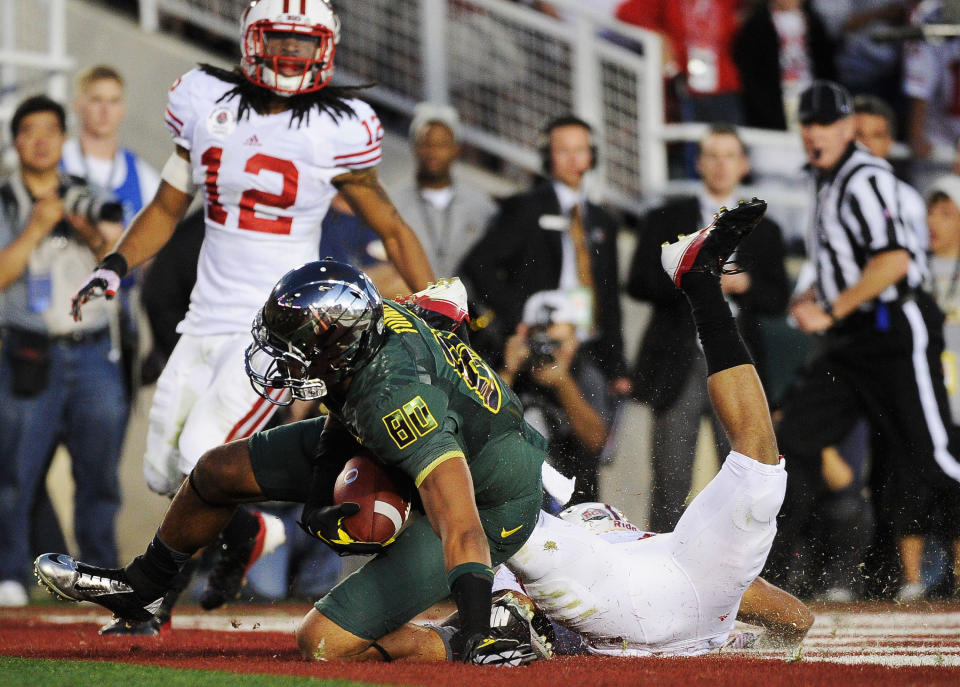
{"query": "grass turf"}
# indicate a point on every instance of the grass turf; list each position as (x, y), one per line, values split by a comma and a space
(15, 672)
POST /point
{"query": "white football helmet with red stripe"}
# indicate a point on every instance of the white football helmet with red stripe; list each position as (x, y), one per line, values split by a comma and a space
(288, 45)
(599, 518)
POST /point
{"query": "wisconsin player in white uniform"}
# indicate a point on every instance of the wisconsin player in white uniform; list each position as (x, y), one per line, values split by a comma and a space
(269, 144)
(592, 571)
(679, 593)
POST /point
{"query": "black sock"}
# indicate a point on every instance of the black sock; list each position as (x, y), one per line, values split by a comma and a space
(722, 346)
(152, 573)
(242, 527)
(472, 593)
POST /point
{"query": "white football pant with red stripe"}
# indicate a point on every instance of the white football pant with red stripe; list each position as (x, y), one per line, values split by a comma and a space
(203, 399)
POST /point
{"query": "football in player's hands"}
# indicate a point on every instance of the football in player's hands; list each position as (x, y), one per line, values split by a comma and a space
(383, 495)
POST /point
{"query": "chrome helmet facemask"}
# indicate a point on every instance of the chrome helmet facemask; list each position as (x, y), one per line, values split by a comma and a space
(321, 323)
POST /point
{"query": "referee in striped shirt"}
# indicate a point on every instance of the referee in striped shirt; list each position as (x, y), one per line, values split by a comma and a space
(881, 339)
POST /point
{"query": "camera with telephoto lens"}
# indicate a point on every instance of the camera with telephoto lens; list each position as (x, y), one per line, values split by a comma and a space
(81, 200)
(541, 346)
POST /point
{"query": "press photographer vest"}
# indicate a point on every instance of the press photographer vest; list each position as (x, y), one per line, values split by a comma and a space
(39, 300)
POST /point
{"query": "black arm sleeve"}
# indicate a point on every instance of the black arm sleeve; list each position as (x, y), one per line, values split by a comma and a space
(335, 448)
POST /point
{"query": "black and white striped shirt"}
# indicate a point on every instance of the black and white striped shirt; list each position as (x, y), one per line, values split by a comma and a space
(861, 210)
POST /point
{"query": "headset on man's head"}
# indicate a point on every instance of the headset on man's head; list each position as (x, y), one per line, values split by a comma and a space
(546, 154)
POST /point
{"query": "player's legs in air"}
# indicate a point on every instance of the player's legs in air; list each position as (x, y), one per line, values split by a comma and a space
(724, 536)
(688, 583)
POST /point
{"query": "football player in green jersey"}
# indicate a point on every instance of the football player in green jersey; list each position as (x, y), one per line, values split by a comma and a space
(422, 401)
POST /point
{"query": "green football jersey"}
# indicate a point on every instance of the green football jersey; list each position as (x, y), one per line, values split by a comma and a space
(426, 397)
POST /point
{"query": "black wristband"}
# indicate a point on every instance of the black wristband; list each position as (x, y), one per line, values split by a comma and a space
(472, 592)
(115, 263)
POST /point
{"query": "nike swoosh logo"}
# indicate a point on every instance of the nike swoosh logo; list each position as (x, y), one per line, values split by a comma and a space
(504, 532)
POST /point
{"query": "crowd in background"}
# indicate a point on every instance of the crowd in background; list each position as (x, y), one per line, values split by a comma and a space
(541, 270)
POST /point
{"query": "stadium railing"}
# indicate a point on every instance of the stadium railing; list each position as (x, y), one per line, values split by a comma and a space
(19, 65)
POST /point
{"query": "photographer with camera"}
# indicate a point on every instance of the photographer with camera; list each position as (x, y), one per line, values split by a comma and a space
(562, 388)
(60, 380)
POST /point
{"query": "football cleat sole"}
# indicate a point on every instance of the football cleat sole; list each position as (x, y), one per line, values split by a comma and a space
(708, 249)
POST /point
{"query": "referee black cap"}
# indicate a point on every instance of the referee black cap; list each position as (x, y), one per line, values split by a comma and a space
(824, 102)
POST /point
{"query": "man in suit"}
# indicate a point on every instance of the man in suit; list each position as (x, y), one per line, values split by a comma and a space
(551, 237)
(670, 368)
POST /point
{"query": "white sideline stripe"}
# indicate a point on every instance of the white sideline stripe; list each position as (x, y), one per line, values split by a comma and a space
(892, 660)
(903, 620)
(847, 635)
(183, 621)
(389, 511)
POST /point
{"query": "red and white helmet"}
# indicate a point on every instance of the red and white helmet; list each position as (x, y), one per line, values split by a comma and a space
(288, 74)
(599, 518)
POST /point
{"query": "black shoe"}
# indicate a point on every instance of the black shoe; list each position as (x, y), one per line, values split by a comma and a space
(235, 558)
(71, 580)
(708, 249)
(510, 619)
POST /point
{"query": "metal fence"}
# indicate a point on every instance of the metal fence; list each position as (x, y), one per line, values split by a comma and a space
(27, 59)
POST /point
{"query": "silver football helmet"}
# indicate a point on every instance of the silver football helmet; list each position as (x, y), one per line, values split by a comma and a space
(321, 322)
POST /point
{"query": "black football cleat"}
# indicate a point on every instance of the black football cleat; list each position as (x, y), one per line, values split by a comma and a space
(510, 619)
(71, 580)
(235, 558)
(127, 628)
(708, 249)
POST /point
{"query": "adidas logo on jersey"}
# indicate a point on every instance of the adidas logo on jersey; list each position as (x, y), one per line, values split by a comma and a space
(252, 141)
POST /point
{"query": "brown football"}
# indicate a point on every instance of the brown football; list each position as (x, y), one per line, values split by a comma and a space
(383, 495)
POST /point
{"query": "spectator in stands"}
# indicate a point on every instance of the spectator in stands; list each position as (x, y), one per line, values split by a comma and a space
(943, 219)
(58, 378)
(563, 390)
(876, 124)
(781, 47)
(447, 215)
(699, 36)
(552, 237)
(95, 154)
(347, 238)
(864, 65)
(933, 118)
(670, 367)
